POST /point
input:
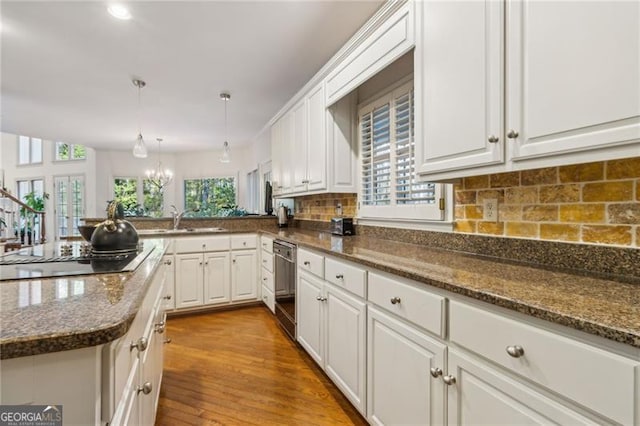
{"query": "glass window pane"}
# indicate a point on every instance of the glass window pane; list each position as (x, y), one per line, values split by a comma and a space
(210, 196)
(62, 151)
(153, 199)
(23, 150)
(36, 150)
(79, 152)
(125, 190)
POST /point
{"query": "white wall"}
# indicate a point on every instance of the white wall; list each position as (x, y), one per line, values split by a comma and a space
(47, 170)
(197, 164)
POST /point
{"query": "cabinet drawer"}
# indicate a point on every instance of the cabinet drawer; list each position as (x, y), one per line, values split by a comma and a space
(346, 276)
(268, 299)
(266, 278)
(571, 368)
(267, 261)
(414, 304)
(311, 262)
(239, 242)
(201, 244)
(266, 243)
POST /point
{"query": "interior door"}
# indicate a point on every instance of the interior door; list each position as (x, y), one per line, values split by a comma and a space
(69, 204)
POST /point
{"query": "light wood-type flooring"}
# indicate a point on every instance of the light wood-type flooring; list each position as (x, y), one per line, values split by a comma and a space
(237, 367)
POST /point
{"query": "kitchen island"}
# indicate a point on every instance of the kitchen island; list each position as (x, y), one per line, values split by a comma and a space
(76, 341)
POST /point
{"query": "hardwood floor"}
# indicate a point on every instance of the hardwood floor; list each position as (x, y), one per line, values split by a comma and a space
(238, 368)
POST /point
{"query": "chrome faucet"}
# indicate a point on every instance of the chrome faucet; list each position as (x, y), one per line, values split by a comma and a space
(178, 215)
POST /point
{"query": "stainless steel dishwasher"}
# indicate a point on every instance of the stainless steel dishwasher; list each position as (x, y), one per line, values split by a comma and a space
(285, 285)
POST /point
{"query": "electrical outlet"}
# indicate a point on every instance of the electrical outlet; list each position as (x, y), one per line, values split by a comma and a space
(490, 210)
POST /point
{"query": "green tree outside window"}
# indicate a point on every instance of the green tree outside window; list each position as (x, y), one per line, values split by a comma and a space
(210, 196)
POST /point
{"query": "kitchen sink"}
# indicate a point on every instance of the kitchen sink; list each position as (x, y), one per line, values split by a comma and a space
(179, 231)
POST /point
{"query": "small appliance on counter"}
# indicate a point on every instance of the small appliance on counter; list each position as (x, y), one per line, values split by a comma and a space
(342, 226)
(283, 216)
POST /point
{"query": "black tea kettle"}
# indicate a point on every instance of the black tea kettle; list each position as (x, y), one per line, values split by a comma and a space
(114, 234)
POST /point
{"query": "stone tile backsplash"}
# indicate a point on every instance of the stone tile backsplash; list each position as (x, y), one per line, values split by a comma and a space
(594, 203)
(322, 207)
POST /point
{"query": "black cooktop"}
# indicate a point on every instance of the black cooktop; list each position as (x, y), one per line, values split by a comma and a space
(62, 259)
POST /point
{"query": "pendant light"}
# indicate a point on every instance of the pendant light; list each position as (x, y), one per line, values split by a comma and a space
(139, 149)
(159, 177)
(226, 154)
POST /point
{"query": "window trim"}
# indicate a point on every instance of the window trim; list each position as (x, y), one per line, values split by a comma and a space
(407, 214)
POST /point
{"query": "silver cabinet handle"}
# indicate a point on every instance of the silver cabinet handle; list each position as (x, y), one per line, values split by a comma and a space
(307, 263)
(449, 380)
(512, 134)
(167, 262)
(494, 139)
(145, 389)
(435, 372)
(167, 297)
(140, 345)
(515, 351)
(395, 300)
(159, 327)
(339, 276)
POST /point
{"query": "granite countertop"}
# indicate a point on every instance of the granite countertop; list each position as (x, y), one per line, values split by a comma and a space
(596, 305)
(56, 314)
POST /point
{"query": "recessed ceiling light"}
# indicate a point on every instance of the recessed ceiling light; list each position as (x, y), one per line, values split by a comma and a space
(119, 11)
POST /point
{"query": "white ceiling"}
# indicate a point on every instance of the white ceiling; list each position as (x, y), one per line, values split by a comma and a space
(67, 67)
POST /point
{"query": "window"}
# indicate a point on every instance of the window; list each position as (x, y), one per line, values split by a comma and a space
(210, 196)
(125, 190)
(69, 151)
(31, 185)
(29, 150)
(253, 191)
(130, 190)
(389, 186)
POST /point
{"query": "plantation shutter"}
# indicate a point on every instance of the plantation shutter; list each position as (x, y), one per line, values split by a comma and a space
(376, 155)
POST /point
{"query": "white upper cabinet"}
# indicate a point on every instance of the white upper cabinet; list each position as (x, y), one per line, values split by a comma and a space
(299, 147)
(390, 40)
(523, 84)
(317, 143)
(573, 76)
(458, 89)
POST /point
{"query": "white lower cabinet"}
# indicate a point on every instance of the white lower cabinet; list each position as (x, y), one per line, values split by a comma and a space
(482, 395)
(401, 389)
(244, 275)
(331, 326)
(215, 270)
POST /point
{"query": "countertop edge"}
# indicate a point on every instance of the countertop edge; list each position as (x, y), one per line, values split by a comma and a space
(581, 324)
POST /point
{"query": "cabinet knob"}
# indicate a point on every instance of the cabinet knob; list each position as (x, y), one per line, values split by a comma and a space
(512, 134)
(307, 263)
(449, 380)
(200, 263)
(204, 246)
(167, 297)
(319, 298)
(206, 263)
(145, 389)
(234, 261)
(244, 243)
(339, 276)
(264, 279)
(159, 327)
(494, 139)
(166, 341)
(140, 345)
(515, 351)
(435, 372)
(167, 262)
(395, 300)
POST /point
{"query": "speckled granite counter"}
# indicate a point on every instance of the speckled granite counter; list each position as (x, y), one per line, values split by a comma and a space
(599, 306)
(56, 314)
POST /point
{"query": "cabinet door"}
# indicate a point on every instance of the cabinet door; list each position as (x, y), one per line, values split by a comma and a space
(189, 280)
(169, 294)
(574, 76)
(345, 331)
(285, 154)
(244, 275)
(309, 316)
(317, 140)
(400, 388)
(299, 144)
(276, 157)
(217, 277)
(459, 85)
(484, 396)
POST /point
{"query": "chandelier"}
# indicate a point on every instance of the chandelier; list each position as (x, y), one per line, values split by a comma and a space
(159, 177)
